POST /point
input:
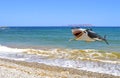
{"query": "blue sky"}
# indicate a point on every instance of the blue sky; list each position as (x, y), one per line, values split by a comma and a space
(59, 12)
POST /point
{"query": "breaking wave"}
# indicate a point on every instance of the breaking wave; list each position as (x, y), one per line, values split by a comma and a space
(76, 54)
(86, 59)
(5, 49)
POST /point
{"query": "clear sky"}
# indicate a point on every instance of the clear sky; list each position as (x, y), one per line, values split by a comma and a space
(59, 12)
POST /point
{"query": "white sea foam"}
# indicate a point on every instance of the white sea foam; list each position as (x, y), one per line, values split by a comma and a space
(89, 59)
(4, 49)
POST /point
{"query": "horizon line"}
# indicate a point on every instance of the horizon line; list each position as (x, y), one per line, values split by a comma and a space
(56, 26)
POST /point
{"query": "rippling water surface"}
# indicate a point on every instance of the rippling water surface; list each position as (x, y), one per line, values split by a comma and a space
(51, 45)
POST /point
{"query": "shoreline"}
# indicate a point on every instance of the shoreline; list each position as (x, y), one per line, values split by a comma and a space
(20, 69)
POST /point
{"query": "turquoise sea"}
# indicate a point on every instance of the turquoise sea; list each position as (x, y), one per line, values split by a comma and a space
(52, 46)
(57, 37)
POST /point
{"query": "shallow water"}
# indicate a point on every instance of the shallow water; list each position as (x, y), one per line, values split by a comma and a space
(57, 37)
(87, 59)
(51, 46)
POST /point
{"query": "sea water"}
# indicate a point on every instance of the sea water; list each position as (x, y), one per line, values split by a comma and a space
(52, 46)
